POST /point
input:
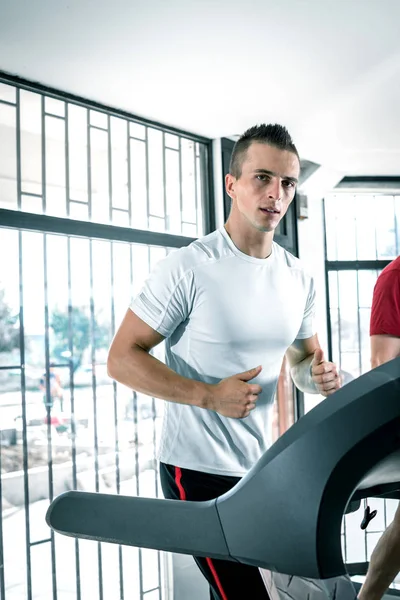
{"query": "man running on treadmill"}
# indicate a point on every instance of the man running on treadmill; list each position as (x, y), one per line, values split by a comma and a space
(385, 346)
(229, 305)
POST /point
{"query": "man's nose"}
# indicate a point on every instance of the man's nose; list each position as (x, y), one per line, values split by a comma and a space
(275, 189)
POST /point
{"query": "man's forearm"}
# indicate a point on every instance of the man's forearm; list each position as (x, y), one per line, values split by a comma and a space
(301, 375)
(144, 373)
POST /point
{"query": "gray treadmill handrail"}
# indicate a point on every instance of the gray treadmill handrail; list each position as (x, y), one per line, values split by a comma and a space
(286, 513)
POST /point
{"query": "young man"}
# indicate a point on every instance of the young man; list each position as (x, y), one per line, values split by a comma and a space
(385, 346)
(229, 305)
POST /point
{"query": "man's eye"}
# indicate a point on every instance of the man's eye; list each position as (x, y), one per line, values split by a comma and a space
(288, 183)
(262, 177)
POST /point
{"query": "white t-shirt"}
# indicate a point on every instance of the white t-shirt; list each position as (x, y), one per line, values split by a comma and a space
(224, 312)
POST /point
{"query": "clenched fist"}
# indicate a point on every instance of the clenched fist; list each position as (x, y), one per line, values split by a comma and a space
(234, 397)
(324, 374)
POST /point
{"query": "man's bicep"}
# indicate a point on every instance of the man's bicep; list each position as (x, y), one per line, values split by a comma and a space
(383, 349)
(133, 331)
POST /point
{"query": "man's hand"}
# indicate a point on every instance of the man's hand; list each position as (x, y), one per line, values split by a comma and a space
(234, 397)
(324, 374)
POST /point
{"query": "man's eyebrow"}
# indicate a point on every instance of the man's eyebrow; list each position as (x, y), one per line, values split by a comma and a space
(266, 172)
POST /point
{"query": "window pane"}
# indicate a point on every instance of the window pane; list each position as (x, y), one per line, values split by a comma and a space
(156, 173)
(32, 204)
(8, 157)
(333, 289)
(157, 224)
(350, 364)
(54, 107)
(78, 211)
(366, 233)
(9, 302)
(156, 253)
(385, 226)
(150, 573)
(140, 266)
(58, 297)
(172, 141)
(365, 317)
(55, 168)
(366, 284)
(348, 307)
(122, 280)
(137, 131)
(7, 92)
(99, 176)
(33, 299)
(349, 319)
(14, 544)
(188, 182)
(121, 218)
(173, 191)
(98, 119)
(138, 185)
(200, 199)
(189, 229)
(330, 227)
(335, 333)
(119, 162)
(77, 153)
(361, 226)
(65, 568)
(347, 248)
(31, 142)
(101, 268)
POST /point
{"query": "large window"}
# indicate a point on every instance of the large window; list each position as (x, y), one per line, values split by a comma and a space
(362, 237)
(90, 201)
(65, 159)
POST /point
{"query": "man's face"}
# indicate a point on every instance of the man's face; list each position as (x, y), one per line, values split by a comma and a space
(266, 187)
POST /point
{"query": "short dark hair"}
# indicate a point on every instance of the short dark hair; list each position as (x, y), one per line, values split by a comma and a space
(274, 135)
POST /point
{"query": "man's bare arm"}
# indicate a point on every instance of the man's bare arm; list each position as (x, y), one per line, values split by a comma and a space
(383, 349)
(310, 371)
(130, 363)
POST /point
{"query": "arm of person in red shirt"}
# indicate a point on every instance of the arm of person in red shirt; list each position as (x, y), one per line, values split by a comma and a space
(385, 318)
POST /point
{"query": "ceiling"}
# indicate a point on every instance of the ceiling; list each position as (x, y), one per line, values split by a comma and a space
(327, 69)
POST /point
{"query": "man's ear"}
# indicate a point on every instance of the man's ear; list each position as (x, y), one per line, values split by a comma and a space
(230, 182)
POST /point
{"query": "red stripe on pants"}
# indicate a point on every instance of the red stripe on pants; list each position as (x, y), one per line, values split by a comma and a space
(182, 496)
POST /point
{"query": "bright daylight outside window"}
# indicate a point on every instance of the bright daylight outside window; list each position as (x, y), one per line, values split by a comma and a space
(142, 191)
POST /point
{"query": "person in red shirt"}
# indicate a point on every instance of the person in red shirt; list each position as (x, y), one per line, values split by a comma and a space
(385, 345)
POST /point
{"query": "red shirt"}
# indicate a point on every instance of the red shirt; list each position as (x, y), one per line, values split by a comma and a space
(385, 313)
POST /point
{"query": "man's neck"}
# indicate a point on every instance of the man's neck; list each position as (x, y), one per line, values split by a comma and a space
(249, 240)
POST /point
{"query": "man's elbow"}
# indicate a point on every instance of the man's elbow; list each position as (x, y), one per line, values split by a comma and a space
(121, 363)
(115, 362)
(111, 364)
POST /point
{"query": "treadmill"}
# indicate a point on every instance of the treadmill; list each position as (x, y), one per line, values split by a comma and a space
(285, 515)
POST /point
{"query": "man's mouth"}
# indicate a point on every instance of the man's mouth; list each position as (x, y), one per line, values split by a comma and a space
(270, 211)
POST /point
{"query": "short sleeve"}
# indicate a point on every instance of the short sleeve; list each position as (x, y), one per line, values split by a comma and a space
(307, 328)
(165, 300)
(385, 312)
